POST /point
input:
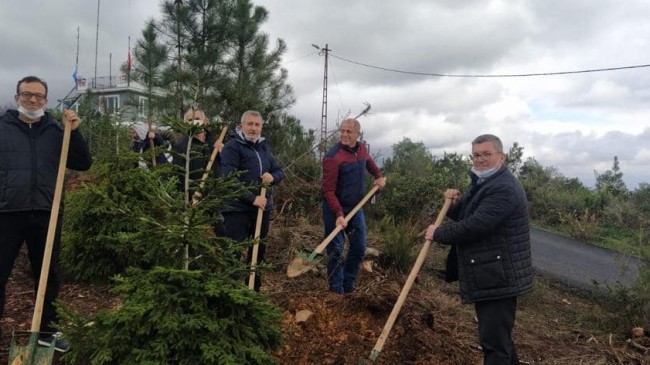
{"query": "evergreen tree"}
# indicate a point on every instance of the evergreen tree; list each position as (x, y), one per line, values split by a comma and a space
(611, 181)
(255, 78)
(513, 158)
(150, 58)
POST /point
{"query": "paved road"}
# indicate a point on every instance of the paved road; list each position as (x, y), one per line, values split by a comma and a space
(579, 264)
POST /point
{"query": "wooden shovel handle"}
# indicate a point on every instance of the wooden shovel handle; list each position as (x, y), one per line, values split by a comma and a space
(51, 230)
(208, 168)
(338, 229)
(258, 229)
(407, 286)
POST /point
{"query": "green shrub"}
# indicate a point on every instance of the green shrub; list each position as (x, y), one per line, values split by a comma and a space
(125, 216)
(583, 226)
(172, 316)
(399, 244)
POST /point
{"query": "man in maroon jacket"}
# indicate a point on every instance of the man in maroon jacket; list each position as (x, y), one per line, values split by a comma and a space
(343, 188)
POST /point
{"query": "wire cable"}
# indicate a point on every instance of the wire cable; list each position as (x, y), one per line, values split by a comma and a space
(489, 76)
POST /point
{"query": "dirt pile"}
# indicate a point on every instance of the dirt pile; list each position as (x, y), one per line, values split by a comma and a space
(433, 326)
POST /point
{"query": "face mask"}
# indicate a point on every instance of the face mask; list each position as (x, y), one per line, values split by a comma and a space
(486, 173)
(33, 115)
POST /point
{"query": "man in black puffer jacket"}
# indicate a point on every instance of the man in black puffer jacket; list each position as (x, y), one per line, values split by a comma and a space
(30, 149)
(490, 247)
(249, 153)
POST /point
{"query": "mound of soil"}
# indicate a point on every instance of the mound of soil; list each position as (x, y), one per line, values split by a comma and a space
(433, 326)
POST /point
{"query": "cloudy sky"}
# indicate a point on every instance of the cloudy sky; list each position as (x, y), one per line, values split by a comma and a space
(576, 123)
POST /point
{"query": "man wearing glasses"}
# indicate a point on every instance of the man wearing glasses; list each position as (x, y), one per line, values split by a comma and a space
(490, 247)
(30, 150)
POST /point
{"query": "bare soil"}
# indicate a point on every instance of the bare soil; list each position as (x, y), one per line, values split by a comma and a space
(554, 325)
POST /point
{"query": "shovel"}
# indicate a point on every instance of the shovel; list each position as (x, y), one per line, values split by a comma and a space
(24, 345)
(258, 229)
(405, 291)
(197, 195)
(303, 263)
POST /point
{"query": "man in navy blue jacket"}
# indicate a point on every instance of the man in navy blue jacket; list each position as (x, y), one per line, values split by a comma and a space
(249, 153)
(30, 150)
(490, 253)
(343, 187)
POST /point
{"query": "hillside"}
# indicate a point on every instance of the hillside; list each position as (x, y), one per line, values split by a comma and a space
(553, 326)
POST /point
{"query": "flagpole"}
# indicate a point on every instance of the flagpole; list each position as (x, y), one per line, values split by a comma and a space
(128, 65)
(76, 62)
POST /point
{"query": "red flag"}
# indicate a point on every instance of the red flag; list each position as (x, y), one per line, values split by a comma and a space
(129, 61)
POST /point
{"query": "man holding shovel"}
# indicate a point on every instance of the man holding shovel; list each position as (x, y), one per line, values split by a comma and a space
(343, 187)
(249, 153)
(490, 247)
(30, 150)
(202, 147)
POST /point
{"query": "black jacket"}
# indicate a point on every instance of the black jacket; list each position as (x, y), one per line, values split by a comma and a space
(491, 255)
(200, 153)
(252, 159)
(29, 161)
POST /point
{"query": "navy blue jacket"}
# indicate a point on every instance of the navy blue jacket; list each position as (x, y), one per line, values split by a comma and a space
(29, 161)
(253, 160)
(491, 255)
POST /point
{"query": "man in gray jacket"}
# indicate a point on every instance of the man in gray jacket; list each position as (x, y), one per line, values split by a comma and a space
(490, 247)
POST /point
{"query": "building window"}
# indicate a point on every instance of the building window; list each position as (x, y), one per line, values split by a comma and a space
(143, 106)
(109, 104)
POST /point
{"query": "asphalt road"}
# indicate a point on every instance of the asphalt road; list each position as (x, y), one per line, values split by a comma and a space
(579, 264)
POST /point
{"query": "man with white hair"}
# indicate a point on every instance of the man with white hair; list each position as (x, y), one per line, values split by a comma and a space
(250, 154)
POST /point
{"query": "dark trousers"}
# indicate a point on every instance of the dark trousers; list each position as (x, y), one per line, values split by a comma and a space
(496, 319)
(240, 226)
(31, 228)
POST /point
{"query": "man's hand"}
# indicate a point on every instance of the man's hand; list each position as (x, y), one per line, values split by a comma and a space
(69, 116)
(381, 182)
(260, 202)
(430, 231)
(218, 145)
(267, 178)
(452, 194)
(340, 221)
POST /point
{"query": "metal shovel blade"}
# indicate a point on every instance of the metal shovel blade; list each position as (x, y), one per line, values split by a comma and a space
(25, 350)
(301, 264)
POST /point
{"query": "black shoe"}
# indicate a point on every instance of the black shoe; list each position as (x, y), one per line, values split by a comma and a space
(60, 344)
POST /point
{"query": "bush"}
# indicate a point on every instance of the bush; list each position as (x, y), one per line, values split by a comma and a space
(583, 226)
(399, 244)
(176, 317)
(409, 199)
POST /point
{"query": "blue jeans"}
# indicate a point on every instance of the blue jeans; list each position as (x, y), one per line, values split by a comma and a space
(342, 270)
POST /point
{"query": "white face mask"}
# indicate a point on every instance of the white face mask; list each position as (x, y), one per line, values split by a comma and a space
(485, 173)
(33, 115)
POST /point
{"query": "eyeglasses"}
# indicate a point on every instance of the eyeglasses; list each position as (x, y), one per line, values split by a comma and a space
(28, 96)
(484, 155)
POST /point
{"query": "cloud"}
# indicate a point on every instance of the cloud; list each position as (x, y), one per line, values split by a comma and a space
(576, 123)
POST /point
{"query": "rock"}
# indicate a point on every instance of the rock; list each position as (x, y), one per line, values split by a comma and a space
(303, 316)
(372, 252)
(367, 266)
(638, 332)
